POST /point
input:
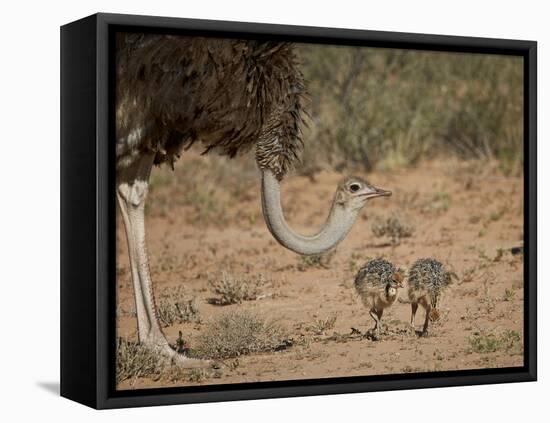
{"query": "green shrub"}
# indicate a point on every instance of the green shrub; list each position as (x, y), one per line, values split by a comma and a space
(388, 107)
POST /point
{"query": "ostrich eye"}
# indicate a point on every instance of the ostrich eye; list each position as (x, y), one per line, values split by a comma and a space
(354, 187)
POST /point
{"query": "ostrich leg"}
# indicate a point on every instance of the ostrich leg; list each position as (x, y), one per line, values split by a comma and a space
(132, 188)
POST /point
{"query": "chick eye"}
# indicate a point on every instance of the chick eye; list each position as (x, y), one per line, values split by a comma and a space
(354, 187)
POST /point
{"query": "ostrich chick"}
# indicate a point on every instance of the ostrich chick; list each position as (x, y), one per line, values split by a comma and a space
(377, 283)
(427, 279)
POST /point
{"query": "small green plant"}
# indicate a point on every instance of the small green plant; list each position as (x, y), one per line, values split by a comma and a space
(490, 342)
(509, 294)
(174, 306)
(239, 333)
(483, 343)
(395, 227)
(320, 261)
(232, 289)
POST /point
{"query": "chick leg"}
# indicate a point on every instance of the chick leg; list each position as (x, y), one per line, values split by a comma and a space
(376, 319)
(379, 313)
(414, 307)
(427, 306)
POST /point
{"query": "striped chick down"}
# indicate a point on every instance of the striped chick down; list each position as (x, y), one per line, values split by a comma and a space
(427, 280)
(377, 283)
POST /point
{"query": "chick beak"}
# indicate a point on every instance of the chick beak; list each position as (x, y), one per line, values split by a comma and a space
(398, 280)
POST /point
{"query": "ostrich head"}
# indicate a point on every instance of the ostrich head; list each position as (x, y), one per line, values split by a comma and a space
(353, 193)
(350, 197)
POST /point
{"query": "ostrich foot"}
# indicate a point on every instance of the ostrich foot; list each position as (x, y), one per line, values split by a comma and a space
(185, 362)
(181, 360)
(161, 348)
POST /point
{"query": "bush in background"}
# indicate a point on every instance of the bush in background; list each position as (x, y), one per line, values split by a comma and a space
(382, 108)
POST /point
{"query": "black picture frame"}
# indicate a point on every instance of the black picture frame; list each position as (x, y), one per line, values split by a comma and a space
(88, 212)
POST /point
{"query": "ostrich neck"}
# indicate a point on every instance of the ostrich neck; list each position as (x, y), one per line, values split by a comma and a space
(338, 224)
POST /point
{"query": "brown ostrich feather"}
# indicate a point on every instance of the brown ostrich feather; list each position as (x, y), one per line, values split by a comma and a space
(228, 94)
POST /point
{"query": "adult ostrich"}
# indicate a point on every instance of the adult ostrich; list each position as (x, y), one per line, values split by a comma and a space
(231, 95)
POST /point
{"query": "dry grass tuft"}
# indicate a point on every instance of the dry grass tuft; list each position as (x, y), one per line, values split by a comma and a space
(238, 333)
(174, 306)
(320, 261)
(236, 289)
(395, 227)
(321, 326)
(134, 361)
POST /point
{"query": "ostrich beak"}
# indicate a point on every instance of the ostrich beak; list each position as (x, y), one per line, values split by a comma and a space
(377, 192)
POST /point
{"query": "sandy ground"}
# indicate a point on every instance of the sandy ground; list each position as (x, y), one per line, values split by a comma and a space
(463, 213)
